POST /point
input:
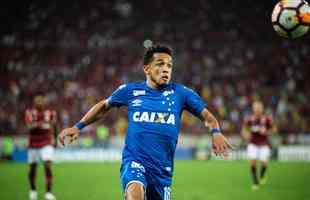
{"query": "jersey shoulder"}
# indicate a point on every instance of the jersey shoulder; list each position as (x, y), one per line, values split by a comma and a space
(132, 85)
(184, 91)
(181, 88)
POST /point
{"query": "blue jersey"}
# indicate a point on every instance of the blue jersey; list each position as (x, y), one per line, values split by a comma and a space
(154, 117)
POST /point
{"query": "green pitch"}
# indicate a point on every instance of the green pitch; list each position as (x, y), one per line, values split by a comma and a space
(193, 180)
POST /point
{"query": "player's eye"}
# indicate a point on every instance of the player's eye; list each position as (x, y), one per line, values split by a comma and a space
(160, 64)
(163, 63)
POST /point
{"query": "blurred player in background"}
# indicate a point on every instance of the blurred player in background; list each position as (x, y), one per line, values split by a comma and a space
(256, 129)
(41, 122)
(154, 115)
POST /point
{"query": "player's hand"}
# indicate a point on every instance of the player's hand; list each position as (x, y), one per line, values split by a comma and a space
(68, 135)
(220, 145)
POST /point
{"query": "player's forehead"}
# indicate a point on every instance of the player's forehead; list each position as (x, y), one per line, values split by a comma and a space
(39, 98)
(157, 57)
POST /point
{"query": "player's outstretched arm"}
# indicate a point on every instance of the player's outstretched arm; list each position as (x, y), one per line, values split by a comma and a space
(245, 132)
(95, 113)
(220, 144)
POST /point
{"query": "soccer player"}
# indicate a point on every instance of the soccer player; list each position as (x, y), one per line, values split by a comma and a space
(41, 123)
(256, 129)
(154, 114)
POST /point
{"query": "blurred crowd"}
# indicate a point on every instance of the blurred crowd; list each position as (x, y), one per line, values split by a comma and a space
(78, 52)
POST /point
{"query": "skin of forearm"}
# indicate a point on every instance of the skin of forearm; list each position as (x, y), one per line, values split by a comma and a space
(96, 112)
(209, 119)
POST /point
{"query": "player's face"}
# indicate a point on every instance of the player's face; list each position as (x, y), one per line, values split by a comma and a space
(159, 70)
(258, 108)
(39, 101)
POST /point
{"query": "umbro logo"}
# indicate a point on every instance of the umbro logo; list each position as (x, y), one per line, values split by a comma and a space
(136, 102)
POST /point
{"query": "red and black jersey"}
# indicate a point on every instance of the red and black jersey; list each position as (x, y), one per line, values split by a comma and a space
(40, 124)
(258, 126)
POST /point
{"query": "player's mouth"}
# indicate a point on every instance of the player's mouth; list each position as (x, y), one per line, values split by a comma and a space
(165, 78)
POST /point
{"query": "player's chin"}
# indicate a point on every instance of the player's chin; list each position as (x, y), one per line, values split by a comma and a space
(163, 81)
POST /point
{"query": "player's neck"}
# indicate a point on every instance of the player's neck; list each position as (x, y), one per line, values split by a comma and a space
(152, 84)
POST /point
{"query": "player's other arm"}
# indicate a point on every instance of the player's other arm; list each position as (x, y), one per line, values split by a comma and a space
(55, 131)
(54, 127)
(29, 120)
(95, 113)
(220, 144)
(270, 127)
(245, 132)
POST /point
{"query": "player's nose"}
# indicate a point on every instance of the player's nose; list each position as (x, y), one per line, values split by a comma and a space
(165, 69)
(165, 73)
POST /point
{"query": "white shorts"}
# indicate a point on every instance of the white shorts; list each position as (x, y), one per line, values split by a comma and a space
(45, 153)
(256, 152)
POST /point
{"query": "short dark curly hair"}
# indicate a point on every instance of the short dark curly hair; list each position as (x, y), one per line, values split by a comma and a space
(148, 55)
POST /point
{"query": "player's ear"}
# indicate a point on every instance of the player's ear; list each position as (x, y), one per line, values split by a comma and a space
(146, 69)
